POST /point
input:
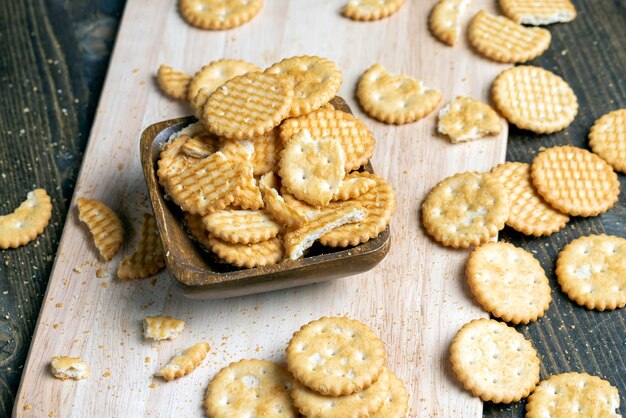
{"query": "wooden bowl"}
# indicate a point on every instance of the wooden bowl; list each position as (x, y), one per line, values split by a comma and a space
(201, 275)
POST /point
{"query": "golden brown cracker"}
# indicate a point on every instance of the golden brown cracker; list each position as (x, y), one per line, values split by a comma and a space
(444, 20)
(276, 206)
(215, 74)
(396, 403)
(104, 224)
(27, 221)
(148, 257)
(172, 82)
(531, 12)
(371, 9)
(260, 254)
(607, 138)
(353, 186)
(465, 119)
(241, 226)
(200, 146)
(575, 181)
(494, 361)
(63, 368)
(184, 363)
(218, 14)
(592, 271)
(395, 99)
(162, 327)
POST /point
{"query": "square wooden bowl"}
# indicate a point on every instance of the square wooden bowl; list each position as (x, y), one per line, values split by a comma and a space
(201, 275)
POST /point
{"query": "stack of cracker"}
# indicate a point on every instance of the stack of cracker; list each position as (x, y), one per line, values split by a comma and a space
(272, 167)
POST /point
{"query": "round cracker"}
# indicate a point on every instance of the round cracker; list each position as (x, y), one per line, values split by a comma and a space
(218, 14)
(27, 221)
(535, 99)
(396, 403)
(508, 282)
(371, 9)
(529, 213)
(336, 356)
(215, 74)
(444, 20)
(607, 138)
(575, 181)
(592, 271)
(317, 80)
(465, 209)
(494, 361)
(256, 388)
(260, 254)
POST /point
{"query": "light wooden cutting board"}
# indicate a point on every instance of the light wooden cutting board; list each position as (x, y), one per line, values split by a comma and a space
(415, 299)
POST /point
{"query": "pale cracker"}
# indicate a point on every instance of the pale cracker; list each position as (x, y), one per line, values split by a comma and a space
(312, 169)
(378, 203)
(357, 405)
(528, 212)
(355, 137)
(396, 403)
(200, 146)
(302, 207)
(207, 185)
(196, 228)
(573, 395)
(316, 79)
(371, 9)
(533, 12)
(607, 138)
(336, 356)
(241, 226)
(444, 20)
(184, 363)
(219, 14)
(508, 282)
(162, 327)
(592, 271)
(215, 74)
(395, 99)
(276, 206)
(63, 368)
(535, 99)
(104, 224)
(501, 39)
(250, 388)
(148, 258)
(354, 186)
(299, 240)
(27, 221)
(248, 105)
(465, 209)
(465, 119)
(575, 181)
(494, 361)
(172, 82)
(260, 254)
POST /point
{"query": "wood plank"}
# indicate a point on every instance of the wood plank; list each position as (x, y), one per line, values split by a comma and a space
(416, 299)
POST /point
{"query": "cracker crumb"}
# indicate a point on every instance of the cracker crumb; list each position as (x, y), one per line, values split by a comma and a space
(107, 373)
(55, 326)
(147, 359)
(152, 385)
(100, 273)
(27, 407)
(78, 270)
(59, 305)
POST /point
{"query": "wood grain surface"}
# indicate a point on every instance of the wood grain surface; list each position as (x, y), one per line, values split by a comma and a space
(47, 63)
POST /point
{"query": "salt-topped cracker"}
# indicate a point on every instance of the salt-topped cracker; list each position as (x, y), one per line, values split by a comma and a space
(27, 221)
(573, 395)
(371, 9)
(148, 258)
(607, 138)
(501, 39)
(184, 363)
(312, 169)
(378, 203)
(575, 181)
(444, 20)
(494, 361)
(465, 119)
(250, 388)
(241, 226)
(354, 186)
(172, 82)
(395, 99)
(219, 14)
(104, 224)
(535, 99)
(318, 225)
(533, 12)
(355, 137)
(213, 75)
(592, 271)
(162, 327)
(508, 282)
(465, 209)
(276, 206)
(208, 185)
(336, 356)
(528, 213)
(396, 403)
(248, 105)
(361, 404)
(63, 368)
(316, 79)
(260, 254)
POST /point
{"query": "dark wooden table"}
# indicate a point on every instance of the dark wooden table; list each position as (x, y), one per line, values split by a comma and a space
(53, 58)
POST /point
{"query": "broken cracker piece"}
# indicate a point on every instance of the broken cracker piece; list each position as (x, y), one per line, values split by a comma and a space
(148, 257)
(184, 363)
(104, 224)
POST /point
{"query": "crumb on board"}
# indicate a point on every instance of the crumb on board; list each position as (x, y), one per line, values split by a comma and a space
(59, 305)
(78, 270)
(101, 273)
